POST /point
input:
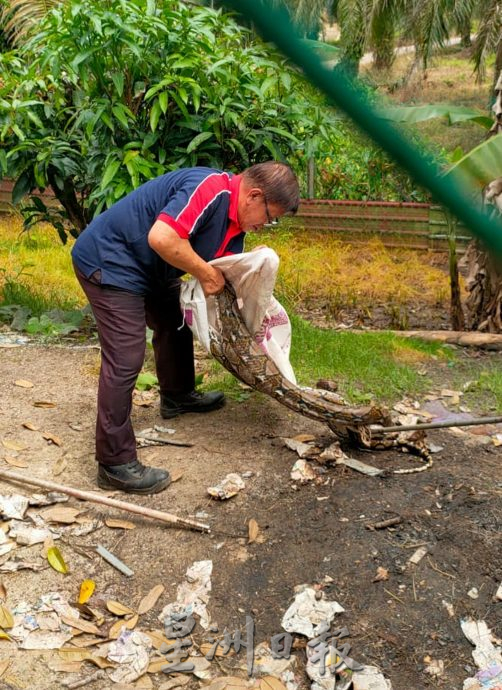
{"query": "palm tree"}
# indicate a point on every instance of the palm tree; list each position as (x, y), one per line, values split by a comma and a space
(18, 16)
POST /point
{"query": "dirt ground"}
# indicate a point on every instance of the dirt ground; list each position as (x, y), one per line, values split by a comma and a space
(314, 533)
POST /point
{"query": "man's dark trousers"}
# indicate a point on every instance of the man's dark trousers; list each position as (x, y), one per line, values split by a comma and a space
(121, 318)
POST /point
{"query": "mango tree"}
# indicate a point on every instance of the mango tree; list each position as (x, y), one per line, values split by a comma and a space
(100, 97)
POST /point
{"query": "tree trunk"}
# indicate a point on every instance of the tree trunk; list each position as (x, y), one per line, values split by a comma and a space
(382, 40)
(484, 280)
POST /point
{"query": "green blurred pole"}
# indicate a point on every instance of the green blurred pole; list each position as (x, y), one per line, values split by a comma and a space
(275, 26)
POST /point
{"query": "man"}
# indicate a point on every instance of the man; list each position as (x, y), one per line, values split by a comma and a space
(129, 261)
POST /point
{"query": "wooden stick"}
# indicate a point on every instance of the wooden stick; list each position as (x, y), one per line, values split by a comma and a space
(96, 498)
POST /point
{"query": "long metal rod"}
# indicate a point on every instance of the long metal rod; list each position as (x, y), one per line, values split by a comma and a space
(96, 498)
(376, 428)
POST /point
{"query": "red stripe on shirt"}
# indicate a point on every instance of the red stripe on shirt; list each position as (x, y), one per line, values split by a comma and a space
(165, 218)
(202, 196)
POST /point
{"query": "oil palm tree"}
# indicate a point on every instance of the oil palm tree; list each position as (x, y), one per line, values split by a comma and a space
(18, 16)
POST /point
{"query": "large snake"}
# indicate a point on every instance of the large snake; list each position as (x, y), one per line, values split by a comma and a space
(235, 348)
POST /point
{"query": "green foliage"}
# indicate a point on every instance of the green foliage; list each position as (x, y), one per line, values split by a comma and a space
(145, 381)
(105, 96)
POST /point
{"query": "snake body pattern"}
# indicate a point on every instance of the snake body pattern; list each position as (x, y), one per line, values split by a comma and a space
(234, 347)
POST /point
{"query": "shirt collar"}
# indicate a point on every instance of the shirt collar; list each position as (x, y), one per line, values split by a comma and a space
(235, 183)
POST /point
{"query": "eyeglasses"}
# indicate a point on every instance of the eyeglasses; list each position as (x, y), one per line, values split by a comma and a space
(270, 221)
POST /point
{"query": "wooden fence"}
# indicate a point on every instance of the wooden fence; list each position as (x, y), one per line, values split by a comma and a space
(407, 225)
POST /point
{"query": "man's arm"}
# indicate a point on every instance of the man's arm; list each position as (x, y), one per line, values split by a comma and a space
(178, 252)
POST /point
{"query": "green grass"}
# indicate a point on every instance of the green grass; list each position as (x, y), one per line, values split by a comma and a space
(367, 366)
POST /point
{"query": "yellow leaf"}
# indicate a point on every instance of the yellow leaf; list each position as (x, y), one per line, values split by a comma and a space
(271, 683)
(123, 524)
(23, 383)
(15, 462)
(118, 609)
(44, 404)
(56, 560)
(52, 439)
(129, 623)
(253, 530)
(30, 426)
(86, 591)
(4, 635)
(12, 445)
(6, 620)
(150, 599)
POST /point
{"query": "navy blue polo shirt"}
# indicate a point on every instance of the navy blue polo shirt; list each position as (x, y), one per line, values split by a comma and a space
(200, 204)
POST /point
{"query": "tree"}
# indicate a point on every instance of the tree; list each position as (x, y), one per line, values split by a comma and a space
(104, 96)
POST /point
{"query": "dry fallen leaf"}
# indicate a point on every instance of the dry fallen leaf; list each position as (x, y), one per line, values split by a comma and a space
(156, 666)
(4, 635)
(128, 623)
(4, 665)
(13, 445)
(176, 682)
(59, 466)
(381, 574)
(23, 383)
(228, 683)
(65, 666)
(44, 404)
(52, 438)
(150, 599)
(176, 476)
(271, 683)
(15, 462)
(6, 619)
(56, 560)
(30, 426)
(253, 530)
(3, 592)
(118, 609)
(143, 683)
(304, 438)
(206, 647)
(63, 514)
(157, 637)
(86, 591)
(80, 624)
(115, 524)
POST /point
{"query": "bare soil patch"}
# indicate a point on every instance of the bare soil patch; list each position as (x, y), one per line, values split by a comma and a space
(314, 533)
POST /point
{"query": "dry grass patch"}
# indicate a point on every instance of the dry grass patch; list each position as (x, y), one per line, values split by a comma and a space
(318, 268)
(37, 261)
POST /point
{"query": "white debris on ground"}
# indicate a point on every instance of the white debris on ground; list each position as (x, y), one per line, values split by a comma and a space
(228, 487)
(309, 610)
(370, 678)
(193, 594)
(486, 655)
(132, 652)
(303, 472)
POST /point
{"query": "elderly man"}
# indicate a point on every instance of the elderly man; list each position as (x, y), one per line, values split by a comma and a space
(129, 261)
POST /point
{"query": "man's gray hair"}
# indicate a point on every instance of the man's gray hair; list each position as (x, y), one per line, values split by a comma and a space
(277, 181)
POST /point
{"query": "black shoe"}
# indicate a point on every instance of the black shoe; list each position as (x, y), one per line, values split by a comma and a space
(133, 477)
(190, 402)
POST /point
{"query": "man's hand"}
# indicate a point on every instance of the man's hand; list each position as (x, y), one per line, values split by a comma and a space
(214, 282)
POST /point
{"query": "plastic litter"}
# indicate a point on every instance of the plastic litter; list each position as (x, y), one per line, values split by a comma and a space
(131, 651)
(303, 472)
(370, 678)
(308, 611)
(13, 506)
(193, 594)
(228, 487)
